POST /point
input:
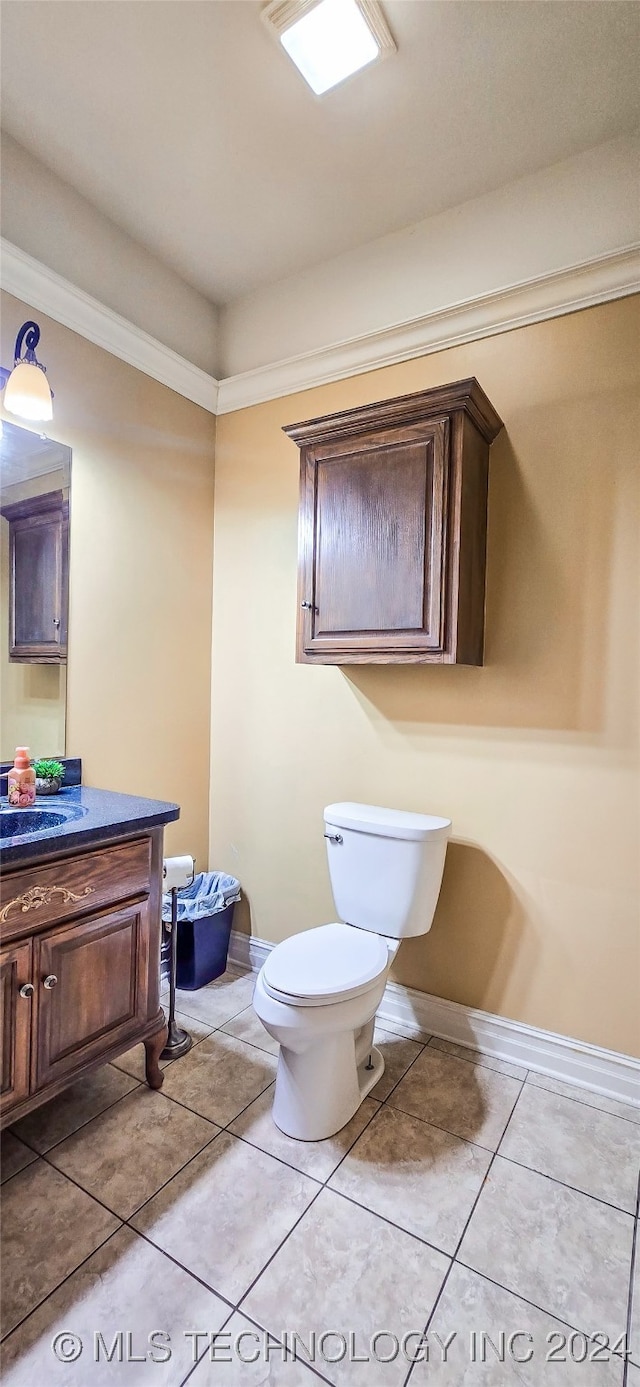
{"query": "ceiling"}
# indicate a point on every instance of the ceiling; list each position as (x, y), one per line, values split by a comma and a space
(186, 124)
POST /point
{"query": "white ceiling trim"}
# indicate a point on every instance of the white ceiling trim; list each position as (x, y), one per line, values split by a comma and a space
(47, 292)
(594, 281)
(611, 276)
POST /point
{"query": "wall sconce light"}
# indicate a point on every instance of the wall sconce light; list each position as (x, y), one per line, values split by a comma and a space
(27, 392)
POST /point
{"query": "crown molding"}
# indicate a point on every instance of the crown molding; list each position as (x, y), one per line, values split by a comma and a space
(47, 292)
(606, 277)
(599, 280)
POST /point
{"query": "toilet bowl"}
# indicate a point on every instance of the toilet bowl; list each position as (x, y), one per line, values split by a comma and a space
(317, 995)
(318, 992)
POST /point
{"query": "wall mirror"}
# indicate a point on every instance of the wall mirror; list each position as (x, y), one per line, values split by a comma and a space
(35, 477)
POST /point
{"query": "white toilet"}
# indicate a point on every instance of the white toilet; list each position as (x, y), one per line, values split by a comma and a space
(317, 993)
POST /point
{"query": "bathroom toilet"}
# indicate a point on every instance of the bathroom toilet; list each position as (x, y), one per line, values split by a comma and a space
(318, 992)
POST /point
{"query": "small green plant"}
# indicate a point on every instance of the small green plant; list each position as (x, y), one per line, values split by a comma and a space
(46, 769)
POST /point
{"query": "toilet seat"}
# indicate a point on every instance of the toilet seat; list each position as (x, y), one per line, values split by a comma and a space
(331, 963)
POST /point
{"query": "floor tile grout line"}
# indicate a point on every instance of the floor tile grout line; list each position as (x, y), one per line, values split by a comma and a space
(481, 1063)
(490, 1150)
(177, 1263)
(223, 1126)
(279, 1247)
(323, 1184)
(11, 1177)
(247, 1142)
(203, 1355)
(630, 1305)
(570, 1098)
(402, 1076)
(125, 1219)
(264, 1330)
(243, 1039)
(204, 1020)
(543, 1310)
(456, 1257)
(349, 1149)
(606, 1203)
(464, 1230)
(168, 1063)
(139, 1083)
(4, 1337)
(322, 1187)
(408, 1232)
(564, 1183)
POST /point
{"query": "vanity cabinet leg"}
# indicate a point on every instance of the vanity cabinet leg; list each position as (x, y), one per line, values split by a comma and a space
(153, 1048)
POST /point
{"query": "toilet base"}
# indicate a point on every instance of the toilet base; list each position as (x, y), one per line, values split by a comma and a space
(308, 1108)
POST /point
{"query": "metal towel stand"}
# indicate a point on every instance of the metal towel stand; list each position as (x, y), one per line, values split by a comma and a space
(178, 1040)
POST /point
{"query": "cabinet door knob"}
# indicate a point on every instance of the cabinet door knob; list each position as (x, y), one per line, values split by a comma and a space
(50, 981)
(27, 989)
(309, 605)
(56, 621)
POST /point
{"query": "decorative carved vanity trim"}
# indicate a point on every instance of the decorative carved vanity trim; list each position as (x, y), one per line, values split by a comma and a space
(38, 896)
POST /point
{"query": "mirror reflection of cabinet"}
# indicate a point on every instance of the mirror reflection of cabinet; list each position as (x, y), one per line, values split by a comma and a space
(38, 578)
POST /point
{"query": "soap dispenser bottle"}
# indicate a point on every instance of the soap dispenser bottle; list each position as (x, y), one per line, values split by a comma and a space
(21, 780)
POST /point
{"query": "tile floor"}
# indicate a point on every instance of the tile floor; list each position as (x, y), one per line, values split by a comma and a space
(471, 1217)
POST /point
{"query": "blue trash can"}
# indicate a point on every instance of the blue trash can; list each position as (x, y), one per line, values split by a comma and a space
(205, 917)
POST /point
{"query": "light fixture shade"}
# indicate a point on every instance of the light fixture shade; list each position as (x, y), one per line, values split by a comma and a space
(27, 393)
(330, 40)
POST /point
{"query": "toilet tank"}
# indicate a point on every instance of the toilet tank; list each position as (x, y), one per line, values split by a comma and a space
(386, 867)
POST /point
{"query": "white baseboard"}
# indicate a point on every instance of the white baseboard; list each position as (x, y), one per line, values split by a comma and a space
(420, 1015)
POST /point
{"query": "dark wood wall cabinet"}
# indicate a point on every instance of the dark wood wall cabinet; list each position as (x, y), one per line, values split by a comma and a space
(38, 578)
(392, 535)
(79, 968)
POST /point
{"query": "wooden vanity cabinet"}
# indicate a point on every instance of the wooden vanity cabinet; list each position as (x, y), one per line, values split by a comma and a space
(38, 578)
(392, 532)
(79, 968)
(15, 1024)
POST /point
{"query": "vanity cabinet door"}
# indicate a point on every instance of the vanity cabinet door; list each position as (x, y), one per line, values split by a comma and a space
(15, 1023)
(91, 980)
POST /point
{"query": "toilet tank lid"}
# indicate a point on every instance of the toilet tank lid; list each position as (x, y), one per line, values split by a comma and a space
(386, 823)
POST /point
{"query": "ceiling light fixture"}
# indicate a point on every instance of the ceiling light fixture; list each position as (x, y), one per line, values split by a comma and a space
(329, 40)
(27, 392)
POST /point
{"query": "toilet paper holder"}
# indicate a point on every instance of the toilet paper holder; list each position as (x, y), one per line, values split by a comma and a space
(177, 872)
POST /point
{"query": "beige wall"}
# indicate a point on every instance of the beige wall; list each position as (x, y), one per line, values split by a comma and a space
(140, 582)
(533, 756)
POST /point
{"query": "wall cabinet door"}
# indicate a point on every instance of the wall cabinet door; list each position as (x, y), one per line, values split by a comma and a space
(374, 563)
(15, 1023)
(91, 980)
(393, 514)
(39, 562)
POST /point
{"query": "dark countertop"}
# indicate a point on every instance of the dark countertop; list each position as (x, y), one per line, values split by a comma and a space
(94, 816)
